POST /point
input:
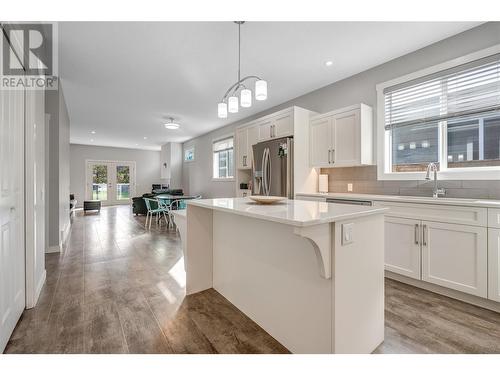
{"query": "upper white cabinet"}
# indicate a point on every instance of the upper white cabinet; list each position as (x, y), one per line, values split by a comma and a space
(245, 138)
(276, 126)
(342, 138)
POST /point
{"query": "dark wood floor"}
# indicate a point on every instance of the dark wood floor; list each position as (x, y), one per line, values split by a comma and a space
(118, 288)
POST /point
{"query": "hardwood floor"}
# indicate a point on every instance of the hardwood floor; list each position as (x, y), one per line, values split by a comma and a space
(118, 288)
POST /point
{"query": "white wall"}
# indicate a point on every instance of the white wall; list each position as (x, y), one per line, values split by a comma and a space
(197, 175)
(147, 166)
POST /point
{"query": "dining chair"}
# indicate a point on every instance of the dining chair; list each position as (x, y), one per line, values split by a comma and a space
(155, 208)
(179, 204)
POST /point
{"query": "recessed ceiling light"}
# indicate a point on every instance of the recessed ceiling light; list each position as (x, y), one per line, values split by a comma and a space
(172, 125)
(92, 132)
(137, 144)
(145, 137)
(91, 140)
(329, 63)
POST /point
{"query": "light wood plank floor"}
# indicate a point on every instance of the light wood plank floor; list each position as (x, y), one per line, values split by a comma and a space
(118, 288)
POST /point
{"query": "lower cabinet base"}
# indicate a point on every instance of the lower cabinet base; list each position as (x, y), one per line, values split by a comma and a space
(473, 300)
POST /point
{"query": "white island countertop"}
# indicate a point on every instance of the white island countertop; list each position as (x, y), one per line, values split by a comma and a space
(292, 212)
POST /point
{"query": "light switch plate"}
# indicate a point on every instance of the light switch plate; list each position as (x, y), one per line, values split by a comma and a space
(349, 187)
(347, 233)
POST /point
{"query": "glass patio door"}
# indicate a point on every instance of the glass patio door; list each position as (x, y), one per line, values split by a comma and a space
(110, 182)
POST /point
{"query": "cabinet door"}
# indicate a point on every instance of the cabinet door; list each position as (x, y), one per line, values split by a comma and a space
(242, 148)
(347, 140)
(264, 130)
(455, 256)
(320, 133)
(283, 125)
(402, 246)
(494, 264)
(252, 139)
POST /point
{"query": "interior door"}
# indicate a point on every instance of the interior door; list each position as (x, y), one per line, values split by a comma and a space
(347, 133)
(320, 142)
(12, 253)
(402, 246)
(455, 256)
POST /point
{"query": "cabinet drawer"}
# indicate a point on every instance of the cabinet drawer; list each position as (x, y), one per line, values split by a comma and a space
(494, 217)
(476, 216)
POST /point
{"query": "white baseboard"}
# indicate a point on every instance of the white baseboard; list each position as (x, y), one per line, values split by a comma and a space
(65, 233)
(38, 290)
(464, 297)
(53, 249)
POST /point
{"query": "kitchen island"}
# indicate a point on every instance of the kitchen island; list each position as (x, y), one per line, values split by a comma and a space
(310, 273)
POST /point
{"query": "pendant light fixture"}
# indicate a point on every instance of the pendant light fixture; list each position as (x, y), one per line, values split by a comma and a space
(230, 101)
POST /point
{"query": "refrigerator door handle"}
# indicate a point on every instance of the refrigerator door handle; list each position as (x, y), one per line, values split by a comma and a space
(263, 178)
(268, 182)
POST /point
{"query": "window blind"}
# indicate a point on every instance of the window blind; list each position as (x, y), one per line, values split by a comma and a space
(223, 144)
(466, 90)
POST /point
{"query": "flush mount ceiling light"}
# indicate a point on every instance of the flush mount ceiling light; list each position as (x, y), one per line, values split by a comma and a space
(92, 132)
(171, 125)
(229, 102)
(329, 63)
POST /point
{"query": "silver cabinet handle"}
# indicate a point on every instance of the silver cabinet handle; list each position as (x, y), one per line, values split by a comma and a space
(333, 156)
(271, 131)
(244, 160)
(329, 160)
(424, 235)
(416, 233)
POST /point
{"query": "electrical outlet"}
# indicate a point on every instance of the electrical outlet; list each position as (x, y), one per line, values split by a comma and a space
(347, 233)
(349, 187)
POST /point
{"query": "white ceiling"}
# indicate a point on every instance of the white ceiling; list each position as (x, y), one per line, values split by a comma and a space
(124, 79)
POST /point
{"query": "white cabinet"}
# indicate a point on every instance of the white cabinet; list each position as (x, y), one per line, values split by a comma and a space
(245, 138)
(455, 256)
(276, 126)
(342, 138)
(320, 134)
(494, 264)
(451, 252)
(402, 246)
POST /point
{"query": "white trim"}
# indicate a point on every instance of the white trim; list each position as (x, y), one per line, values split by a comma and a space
(383, 153)
(31, 300)
(53, 249)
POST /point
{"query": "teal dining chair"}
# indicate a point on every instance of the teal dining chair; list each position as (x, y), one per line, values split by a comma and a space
(155, 208)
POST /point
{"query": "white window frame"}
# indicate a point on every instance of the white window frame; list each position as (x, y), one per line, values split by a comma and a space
(189, 148)
(383, 137)
(214, 140)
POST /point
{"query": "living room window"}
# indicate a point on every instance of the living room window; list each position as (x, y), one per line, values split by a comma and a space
(223, 159)
(189, 154)
(448, 115)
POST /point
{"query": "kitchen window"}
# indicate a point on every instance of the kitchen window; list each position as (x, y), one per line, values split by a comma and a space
(223, 159)
(448, 115)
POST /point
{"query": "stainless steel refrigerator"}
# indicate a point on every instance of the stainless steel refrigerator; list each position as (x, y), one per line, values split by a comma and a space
(273, 167)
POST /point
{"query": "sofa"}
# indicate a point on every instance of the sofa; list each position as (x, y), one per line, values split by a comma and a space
(139, 206)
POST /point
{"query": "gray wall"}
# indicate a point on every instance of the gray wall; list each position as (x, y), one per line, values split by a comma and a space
(197, 177)
(58, 167)
(147, 166)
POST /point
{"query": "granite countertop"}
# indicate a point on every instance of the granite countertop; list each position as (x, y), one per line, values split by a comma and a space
(292, 212)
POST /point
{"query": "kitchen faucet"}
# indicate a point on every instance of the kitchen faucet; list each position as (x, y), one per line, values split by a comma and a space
(437, 192)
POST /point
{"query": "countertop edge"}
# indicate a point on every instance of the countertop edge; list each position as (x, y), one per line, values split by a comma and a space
(354, 215)
(483, 203)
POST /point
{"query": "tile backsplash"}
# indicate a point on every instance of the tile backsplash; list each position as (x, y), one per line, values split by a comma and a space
(364, 180)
